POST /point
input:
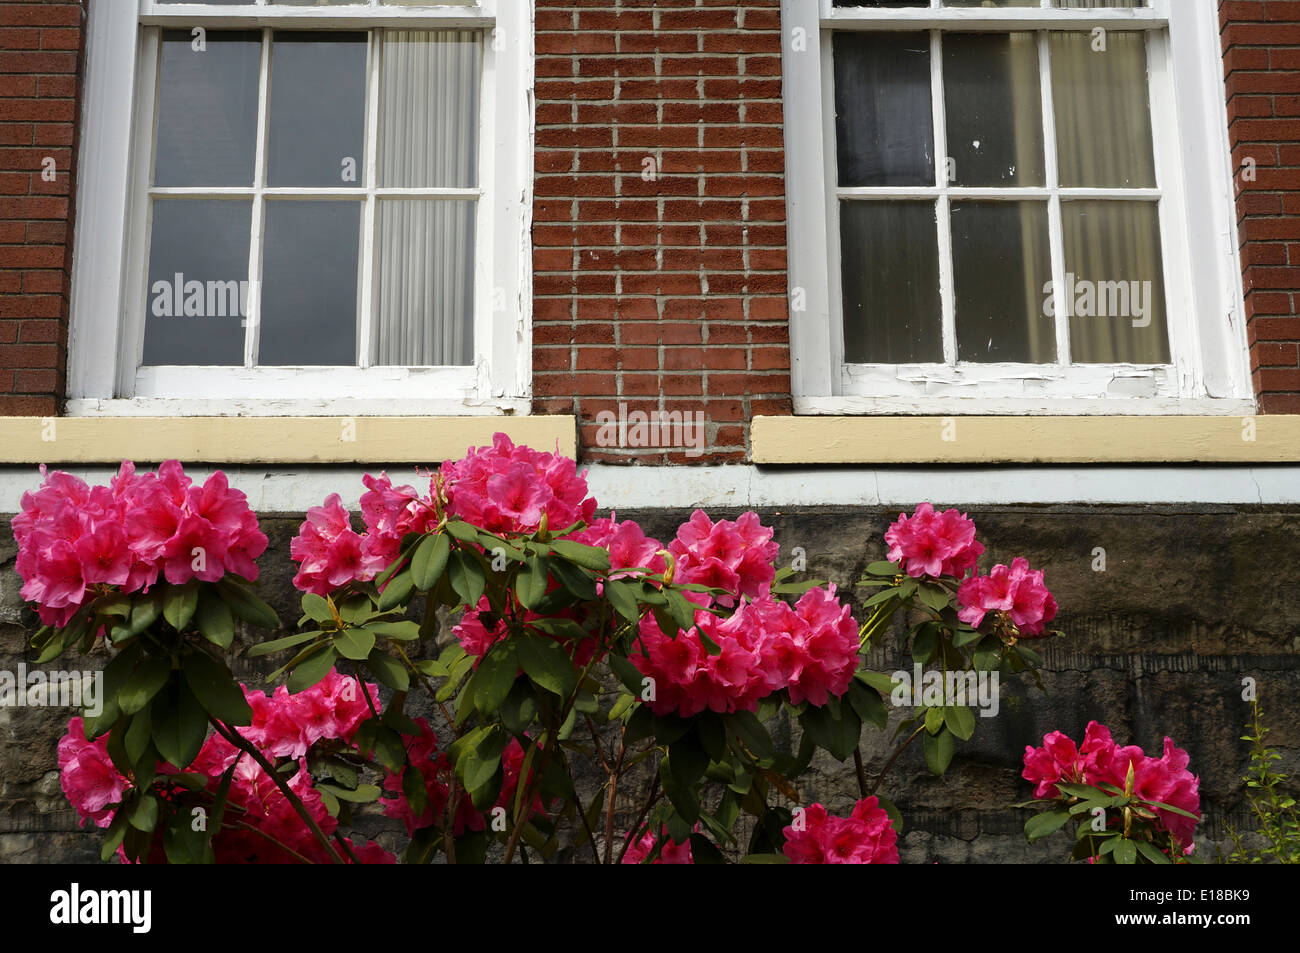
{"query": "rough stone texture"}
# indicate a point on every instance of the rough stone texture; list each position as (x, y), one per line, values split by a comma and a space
(1192, 600)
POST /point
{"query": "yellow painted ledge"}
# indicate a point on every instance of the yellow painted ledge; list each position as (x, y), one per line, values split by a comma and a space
(270, 440)
(994, 440)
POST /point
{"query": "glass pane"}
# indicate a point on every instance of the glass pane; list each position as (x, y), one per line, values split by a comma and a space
(991, 3)
(889, 254)
(316, 134)
(429, 109)
(881, 3)
(1002, 269)
(1115, 289)
(1094, 4)
(884, 124)
(1103, 110)
(207, 109)
(993, 98)
(425, 277)
(309, 284)
(198, 282)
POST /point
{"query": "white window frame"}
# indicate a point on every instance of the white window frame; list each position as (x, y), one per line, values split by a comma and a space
(1209, 371)
(105, 338)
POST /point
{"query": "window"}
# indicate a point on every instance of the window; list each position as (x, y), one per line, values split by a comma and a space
(1011, 207)
(322, 208)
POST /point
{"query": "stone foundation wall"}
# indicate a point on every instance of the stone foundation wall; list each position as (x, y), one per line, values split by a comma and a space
(1193, 599)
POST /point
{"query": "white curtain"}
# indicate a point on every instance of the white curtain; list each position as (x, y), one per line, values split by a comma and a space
(428, 138)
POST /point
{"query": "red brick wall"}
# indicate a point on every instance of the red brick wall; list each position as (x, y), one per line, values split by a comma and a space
(668, 294)
(1261, 49)
(40, 60)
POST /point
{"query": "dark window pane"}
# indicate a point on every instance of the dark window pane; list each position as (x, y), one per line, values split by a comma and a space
(316, 136)
(890, 275)
(881, 3)
(1115, 287)
(207, 109)
(1002, 269)
(884, 123)
(309, 284)
(198, 282)
(993, 99)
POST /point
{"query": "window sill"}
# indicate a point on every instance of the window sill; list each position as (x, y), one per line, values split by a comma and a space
(997, 440)
(230, 441)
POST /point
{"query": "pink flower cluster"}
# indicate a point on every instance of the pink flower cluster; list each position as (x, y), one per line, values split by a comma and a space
(437, 771)
(330, 553)
(672, 852)
(1016, 590)
(766, 645)
(1098, 760)
(866, 836)
(933, 544)
(507, 489)
(283, 726)
(74, 538)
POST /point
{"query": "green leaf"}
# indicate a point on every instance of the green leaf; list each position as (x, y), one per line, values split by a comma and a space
(1040, 825)
(934, 597)
(467, 578)
(868, 704)
(430, 561)
(877, 680)
(961, 720)
(883, 569)
(573, 579)
(183, 844)
(547, 664)
(532, 580)
(751, 733)
(145, 815)
(399, 631)
(688, 760)
(354, 644)
(495, 676)
(765, 859)
(179, 724)
(277, 645)
(317, 609)
(934, 718)
(1152, 853)
(247, 606)
(138, 738)
(588, 557)
(622, 596)
(364, 793)
(1125, 851)
(179, 604)
(214, 618)
(144, 683)
(463, 531)
(312, 669)
(215, 689)
(938, 751)
(388, 670)
(397, 592)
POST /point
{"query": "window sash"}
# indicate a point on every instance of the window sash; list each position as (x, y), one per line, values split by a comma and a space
(148, 381)
(860, 378)
(1209, 370)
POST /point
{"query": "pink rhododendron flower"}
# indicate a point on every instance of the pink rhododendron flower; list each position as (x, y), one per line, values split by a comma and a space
(671, 853)
(74, 540)
(90, 782)
(1016, 590)
(507, 489)
(866, 836)
(811, 649)
(1099, 760)
(737, 557)
(933, 544)
(328, 551)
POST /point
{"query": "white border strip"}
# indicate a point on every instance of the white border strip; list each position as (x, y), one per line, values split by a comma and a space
(293, 490)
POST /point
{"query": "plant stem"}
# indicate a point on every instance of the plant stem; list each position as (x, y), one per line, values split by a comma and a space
(243, 744)
(613, 794)
(894, 757)
(861, 771)
(655, 794)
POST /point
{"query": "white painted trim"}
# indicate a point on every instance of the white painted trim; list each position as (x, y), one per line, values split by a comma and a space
(104, 170)
(300, 407)
(110, 270)
(1209, 367)
(292, 490)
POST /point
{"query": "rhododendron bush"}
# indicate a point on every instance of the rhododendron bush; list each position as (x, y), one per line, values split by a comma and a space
(1127, 807)
(505, 673)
